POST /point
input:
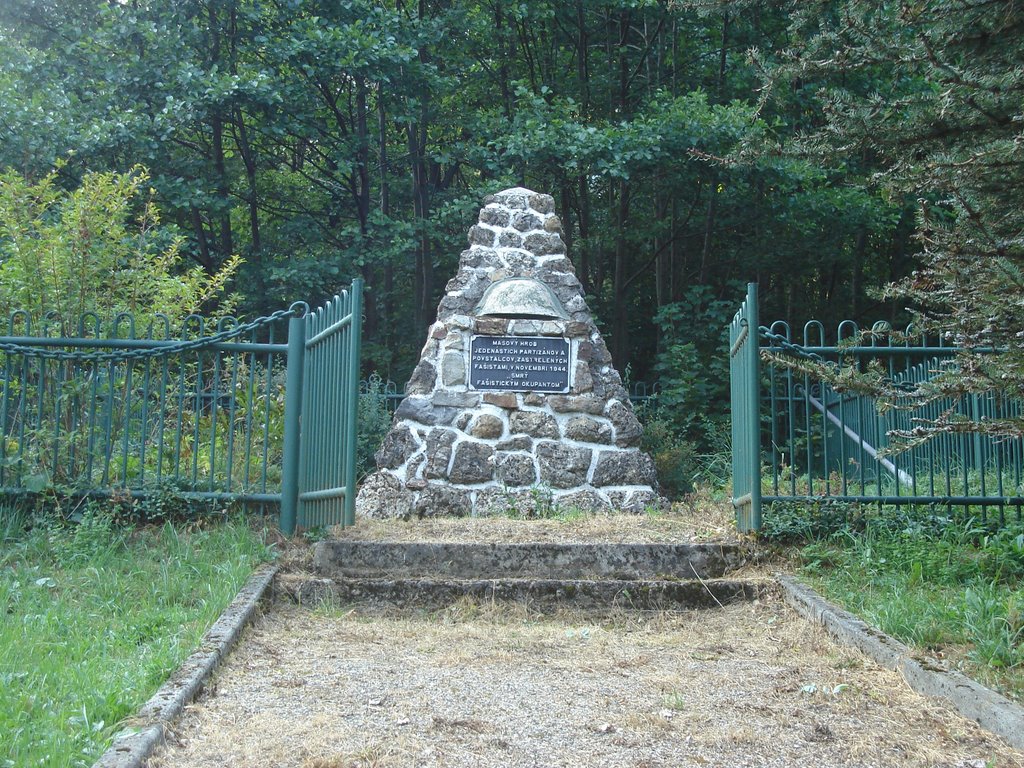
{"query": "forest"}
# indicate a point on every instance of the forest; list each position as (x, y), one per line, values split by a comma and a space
(858, 160)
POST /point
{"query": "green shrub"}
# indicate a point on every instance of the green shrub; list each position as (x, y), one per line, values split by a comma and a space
(373, 424)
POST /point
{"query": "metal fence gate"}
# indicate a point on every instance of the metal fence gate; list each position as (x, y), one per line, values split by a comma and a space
(232, 411)
(744, 382)
(795, 438)
(327, 382)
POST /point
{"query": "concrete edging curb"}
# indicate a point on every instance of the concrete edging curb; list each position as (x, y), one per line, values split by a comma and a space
(928, 677)
(132, 748)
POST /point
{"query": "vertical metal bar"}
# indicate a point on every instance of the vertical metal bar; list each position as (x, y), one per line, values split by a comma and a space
(144, 419)
(126, 419)
(108, 424)
(250, 399)
(352, 387)
(229, 460)
(197, 436)
(58, 377)
(162, 420)
(773, 417)
(179, 419)
(4, 403)
(214, 397)
(40, 407)
(292, 459)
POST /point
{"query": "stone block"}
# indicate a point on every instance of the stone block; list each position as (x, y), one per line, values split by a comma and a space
(582, 381)
(577, 330)
(396, 448)
(461, 322)
(577, 404)
(479, 257)
(482, 235)
(525, 221)
(637, 502)
(505, 502)
(563, 466)
(454, 342)
(505, 400)
(586, 501)
(627, 428)
(382, 496)
(453, 369)
(542, 203)
(473, 463)
(515, 198)
(413, 469)
(624, 468)
(519, 262)
(439, 452)
(553, 224)
(438, 500)
(532, 398)
(588, 430)
(516, 443)
(524, 327)
(423, 379)
(515, 469)
(494, 216)
(543, 243)
(423, 411)
(533, 423)
(576, 307)
(557, 263)
(510, 240)
(537, 328)
(486, 426)
(444, 398)
(491, 326)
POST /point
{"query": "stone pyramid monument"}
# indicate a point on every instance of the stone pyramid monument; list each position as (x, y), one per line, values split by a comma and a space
(515, 405)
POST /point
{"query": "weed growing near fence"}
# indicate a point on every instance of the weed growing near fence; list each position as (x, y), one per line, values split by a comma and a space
(949, 587)
(95, 617)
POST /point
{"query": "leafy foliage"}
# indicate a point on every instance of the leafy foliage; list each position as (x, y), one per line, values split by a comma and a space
(88, 251)
(929, 103)
(324, 140)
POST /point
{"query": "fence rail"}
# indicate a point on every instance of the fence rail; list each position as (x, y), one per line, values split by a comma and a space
(202, 410)
(795, 438)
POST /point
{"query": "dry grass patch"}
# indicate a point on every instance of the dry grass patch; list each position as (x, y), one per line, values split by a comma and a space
(687, 522)
(496, 685)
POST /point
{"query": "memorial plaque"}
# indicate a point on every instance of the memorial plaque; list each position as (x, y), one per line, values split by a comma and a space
(519, 363)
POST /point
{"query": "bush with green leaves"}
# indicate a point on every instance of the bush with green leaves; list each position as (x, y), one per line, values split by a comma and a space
(99, 248)
(374, 421)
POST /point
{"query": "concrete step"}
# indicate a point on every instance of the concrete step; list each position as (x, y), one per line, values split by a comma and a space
(334, 559)
(588, 594)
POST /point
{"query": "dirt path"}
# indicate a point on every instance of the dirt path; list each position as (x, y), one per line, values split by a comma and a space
(750, 685)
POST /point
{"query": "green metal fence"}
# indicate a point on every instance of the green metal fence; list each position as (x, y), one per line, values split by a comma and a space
(796, 438)
(744, 384)
(208, 412)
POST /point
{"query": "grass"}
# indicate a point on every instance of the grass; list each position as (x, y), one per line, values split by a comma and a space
(96, 616)
(950, 588)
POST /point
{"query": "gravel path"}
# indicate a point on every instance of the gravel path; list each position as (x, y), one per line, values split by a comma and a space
(493, 685)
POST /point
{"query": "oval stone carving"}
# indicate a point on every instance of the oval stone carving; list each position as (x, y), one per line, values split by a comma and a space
(520, 297)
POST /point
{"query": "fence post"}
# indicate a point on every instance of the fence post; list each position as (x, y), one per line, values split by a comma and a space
(352, 418)
(292, 424)
(745, 383)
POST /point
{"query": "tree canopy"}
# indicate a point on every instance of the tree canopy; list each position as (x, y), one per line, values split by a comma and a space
(324, 140)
